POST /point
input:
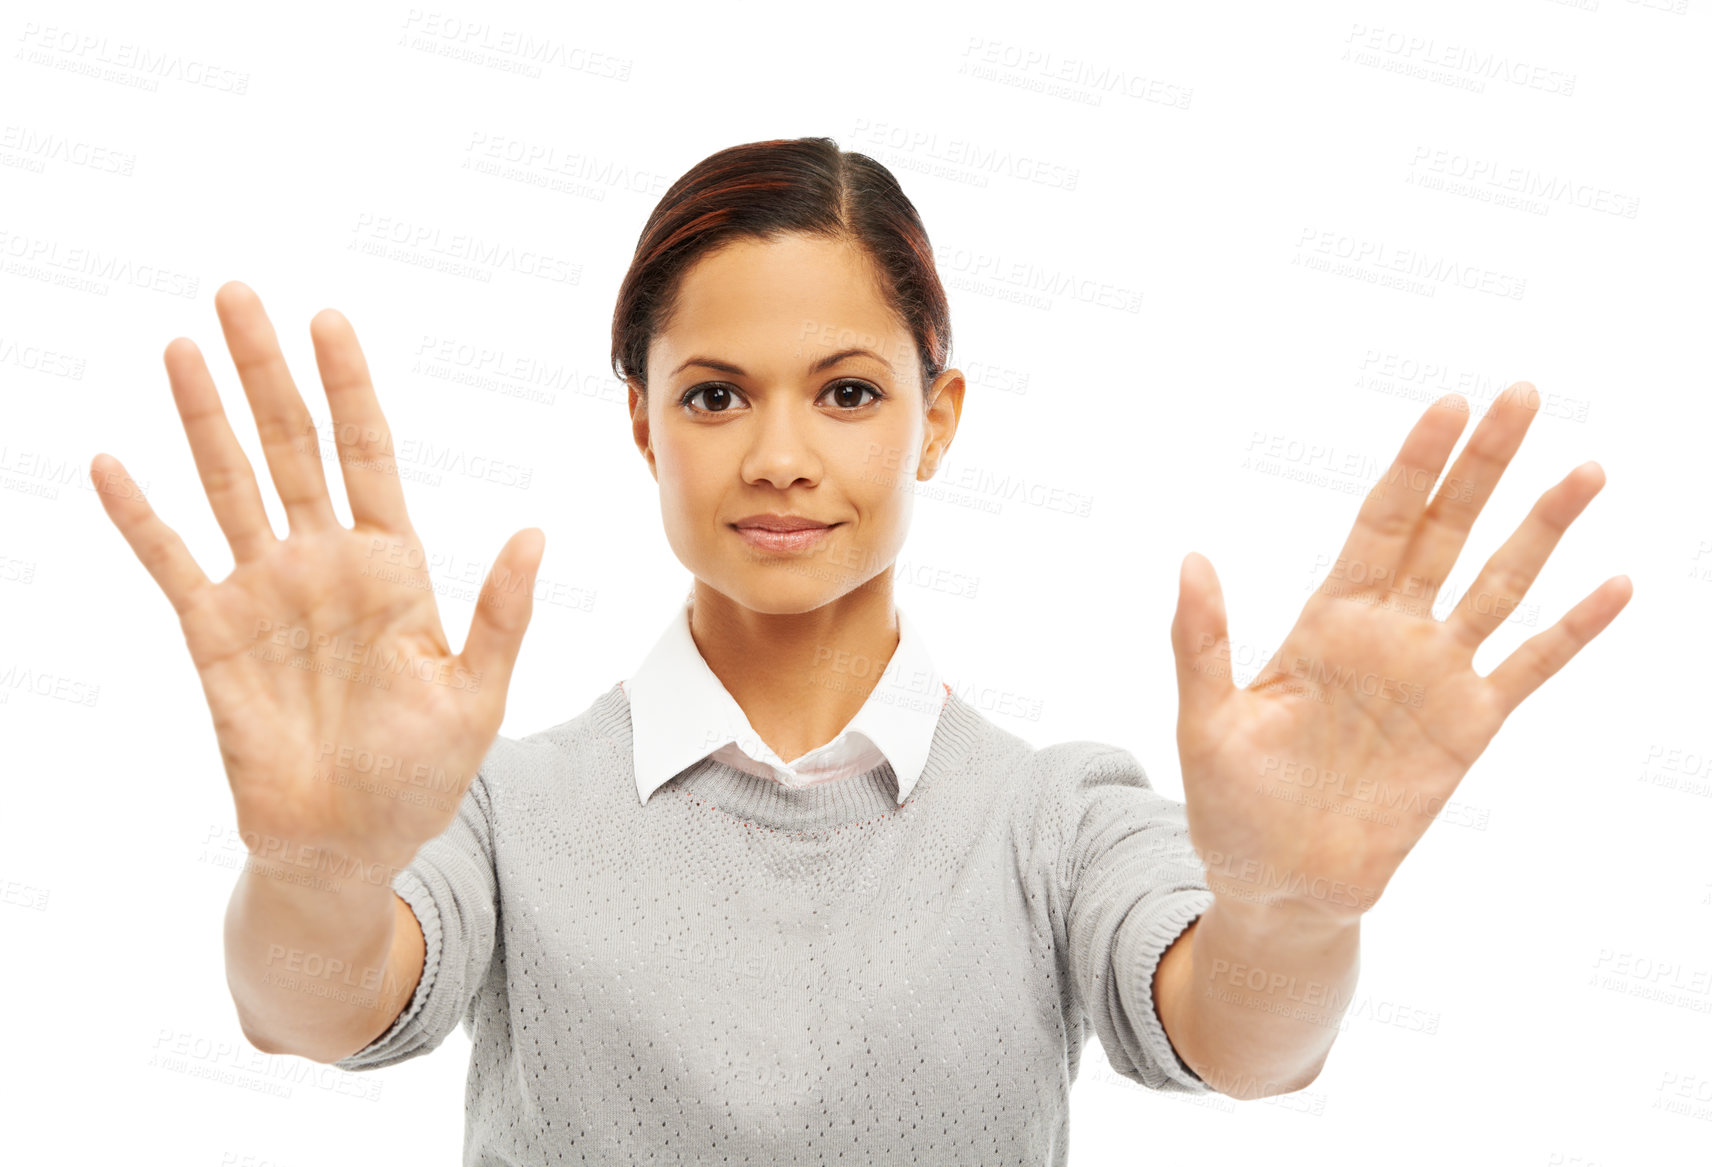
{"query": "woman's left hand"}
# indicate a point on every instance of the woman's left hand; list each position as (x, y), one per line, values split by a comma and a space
(1308, 787)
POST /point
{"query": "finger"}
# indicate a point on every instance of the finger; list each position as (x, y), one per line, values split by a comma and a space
(503, 610)
(289, 440)
(1542, 655)
(157, 545)
(1470, 483)
(1507, 576)
(360, 431)
(1393, 508)
(226, 474)
(1200, 642)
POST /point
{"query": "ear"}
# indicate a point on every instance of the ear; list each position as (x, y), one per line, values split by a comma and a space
(943, 410)
(639, 432)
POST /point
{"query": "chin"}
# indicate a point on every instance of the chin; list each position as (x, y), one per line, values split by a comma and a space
(783, 598)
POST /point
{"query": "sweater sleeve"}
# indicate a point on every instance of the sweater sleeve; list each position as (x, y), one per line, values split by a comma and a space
(1128, 884)
(451, 887)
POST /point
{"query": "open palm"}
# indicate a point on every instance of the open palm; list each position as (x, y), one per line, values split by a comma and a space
(344, 720)
(1309, 786)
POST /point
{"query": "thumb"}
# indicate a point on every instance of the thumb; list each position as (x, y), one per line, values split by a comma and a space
(1200, 642)
(503, 609)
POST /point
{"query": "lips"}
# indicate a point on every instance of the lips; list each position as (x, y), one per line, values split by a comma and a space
(782, 534)
(780, 523)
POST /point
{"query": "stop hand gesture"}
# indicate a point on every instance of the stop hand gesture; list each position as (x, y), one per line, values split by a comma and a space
(326, 646)
(1307, 788)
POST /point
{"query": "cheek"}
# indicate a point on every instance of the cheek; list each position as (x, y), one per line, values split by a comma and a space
(685, 477)
(885, 466)
(878, 486)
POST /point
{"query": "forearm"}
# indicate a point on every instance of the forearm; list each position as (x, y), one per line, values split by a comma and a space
(1253, 1002)
(316, 971)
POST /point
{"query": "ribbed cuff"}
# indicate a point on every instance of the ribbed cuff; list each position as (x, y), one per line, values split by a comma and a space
(408, 1028)
(1145, 949)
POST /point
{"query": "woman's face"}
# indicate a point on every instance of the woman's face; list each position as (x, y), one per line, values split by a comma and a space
(758, 405)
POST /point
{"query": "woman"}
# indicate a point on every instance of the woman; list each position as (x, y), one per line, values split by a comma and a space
(766, 900)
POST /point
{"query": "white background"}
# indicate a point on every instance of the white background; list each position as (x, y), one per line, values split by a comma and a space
(1224, 416)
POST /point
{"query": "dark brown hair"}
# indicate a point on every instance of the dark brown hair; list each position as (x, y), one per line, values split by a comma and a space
(765, 189)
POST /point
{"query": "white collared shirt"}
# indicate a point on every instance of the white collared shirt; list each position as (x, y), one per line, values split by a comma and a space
(680, 713)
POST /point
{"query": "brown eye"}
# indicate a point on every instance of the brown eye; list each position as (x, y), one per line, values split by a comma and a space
(715, 391)
(855, 388)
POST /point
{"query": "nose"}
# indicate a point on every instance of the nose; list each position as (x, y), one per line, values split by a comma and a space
(782, 451)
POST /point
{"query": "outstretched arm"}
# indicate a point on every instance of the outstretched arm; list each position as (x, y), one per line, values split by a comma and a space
(1305, 790)
(1251, 999)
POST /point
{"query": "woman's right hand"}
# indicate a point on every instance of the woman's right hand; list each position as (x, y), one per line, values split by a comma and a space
(345, 722)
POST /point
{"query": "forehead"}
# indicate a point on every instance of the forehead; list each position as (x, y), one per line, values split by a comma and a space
(796, 292)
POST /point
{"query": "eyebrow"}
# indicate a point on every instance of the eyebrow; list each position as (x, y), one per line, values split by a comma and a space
(825, 362)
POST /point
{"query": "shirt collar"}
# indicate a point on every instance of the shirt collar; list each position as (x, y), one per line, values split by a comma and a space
(680, 712)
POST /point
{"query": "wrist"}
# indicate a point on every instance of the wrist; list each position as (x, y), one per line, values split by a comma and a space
(1285, 916)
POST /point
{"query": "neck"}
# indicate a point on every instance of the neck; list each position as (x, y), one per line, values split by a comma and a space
(798, 676)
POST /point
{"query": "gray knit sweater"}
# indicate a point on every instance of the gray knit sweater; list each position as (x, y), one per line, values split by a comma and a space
(742, 972)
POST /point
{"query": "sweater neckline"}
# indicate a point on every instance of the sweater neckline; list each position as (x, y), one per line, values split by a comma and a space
(854, 800)
(858, 799)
